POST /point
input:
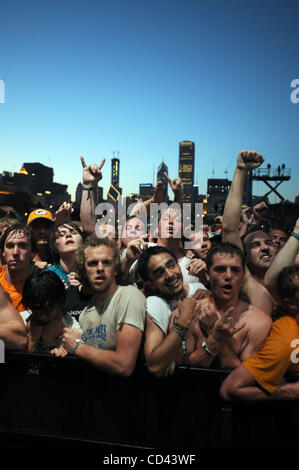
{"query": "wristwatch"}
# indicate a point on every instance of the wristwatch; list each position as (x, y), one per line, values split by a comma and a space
(78, 341)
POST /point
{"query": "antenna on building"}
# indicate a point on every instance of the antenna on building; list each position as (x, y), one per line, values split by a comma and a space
(226, 171)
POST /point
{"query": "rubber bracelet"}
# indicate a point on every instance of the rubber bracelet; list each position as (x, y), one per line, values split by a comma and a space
(77, 344)
(205, 347)
(87, 189)
(181, 333)
(293, 234)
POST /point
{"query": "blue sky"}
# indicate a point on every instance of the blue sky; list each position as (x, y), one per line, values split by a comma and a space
(93, 77)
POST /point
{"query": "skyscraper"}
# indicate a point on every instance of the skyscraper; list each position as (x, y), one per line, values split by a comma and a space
(115, 172)
(162, 168)
(186, 169)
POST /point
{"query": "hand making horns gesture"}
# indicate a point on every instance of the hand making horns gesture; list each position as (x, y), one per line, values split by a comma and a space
(92, 174)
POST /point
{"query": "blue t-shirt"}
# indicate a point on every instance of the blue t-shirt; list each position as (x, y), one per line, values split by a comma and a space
(58, 269)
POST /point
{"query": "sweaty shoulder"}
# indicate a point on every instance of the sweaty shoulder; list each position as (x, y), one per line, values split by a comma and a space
(255, 314)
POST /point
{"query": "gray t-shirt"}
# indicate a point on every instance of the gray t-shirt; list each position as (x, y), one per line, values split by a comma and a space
(101, 322)
(159, 310)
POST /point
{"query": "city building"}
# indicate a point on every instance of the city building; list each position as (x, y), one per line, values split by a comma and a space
(146, 190)
(162, 168)
(217, 192)
(115, 172)
(36, 180)
(186, 169)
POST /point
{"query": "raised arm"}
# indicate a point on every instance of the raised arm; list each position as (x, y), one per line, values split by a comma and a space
(12, 328)
(247, 160)
(156, 198)
(92, 174)
(177, 188)
(63, 213)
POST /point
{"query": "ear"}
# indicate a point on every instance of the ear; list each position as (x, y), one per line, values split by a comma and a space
(207, 274)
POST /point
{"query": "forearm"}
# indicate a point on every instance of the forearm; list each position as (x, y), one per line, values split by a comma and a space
(162, 355)
(201, 357)
(178, 198)
(233, 205)
(289, 391)
(109, 361)
(87, 211)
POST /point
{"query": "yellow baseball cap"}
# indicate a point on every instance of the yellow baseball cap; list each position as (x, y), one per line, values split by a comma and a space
(39, 214)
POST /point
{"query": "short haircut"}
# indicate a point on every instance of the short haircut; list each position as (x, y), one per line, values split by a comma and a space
(276, 227)
(42, 286)
(285, 284)
(53, 236)
(224, 248)
(143, 260)
(19, 228)
(253, 229)
(94, 242)
(124, 223)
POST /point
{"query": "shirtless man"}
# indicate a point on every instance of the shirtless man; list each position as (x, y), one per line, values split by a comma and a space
(227, 329)
(260, 376)
(257, 244)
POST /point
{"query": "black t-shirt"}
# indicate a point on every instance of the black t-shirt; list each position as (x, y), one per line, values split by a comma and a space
(75, 301)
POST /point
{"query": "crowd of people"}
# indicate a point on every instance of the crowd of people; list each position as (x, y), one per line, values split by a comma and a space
(112, 296)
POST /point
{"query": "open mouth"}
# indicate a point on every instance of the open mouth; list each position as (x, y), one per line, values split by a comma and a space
(227, 288)
(266, 257)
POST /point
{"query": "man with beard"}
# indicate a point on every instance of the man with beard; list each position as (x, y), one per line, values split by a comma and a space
(163, 279)
(169, 227)
(227, 329)
(114, 321)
